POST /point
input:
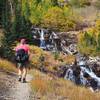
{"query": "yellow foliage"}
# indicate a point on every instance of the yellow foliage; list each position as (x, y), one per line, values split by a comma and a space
(98, 24)
(36, 53)
(55, 18)
(88, 41)
(50, 63)
(69, 59)
(36, 50)
(7, 65)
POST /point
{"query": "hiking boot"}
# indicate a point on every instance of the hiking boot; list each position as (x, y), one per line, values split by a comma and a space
(24, 80)
(19, 79)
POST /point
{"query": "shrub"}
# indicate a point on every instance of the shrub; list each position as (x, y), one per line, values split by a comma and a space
(98, 24)
(36, 53)
(7, 66)
(49, 62)
(37, 10)
(88, 41)
(56, 19)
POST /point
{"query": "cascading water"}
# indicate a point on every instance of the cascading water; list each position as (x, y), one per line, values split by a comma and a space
(53, 38)
(94, 81)
(89, 71)
(53, 42)
(42, 40)
(82, 79)
(69, 49)
(69, 75)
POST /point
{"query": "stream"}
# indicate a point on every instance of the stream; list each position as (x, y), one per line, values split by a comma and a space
(81, 73)
(85, 71)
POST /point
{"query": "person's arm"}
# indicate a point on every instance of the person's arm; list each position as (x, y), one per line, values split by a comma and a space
(28, 48)
(16, 48)
(29, 52)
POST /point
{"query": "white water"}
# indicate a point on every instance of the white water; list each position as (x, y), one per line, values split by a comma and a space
(91, 73)
(55, 35)
(82, 79)
(42, 40)
(69, 75)
(42, 35)
(84, 69)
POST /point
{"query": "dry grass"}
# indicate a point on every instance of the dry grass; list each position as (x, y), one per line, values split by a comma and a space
(69, 59)
(75, 92)
(50, 88)
(47, 86)
(50, 63)
(6, 65)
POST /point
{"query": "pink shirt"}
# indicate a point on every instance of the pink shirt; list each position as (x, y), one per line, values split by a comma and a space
(22, 46)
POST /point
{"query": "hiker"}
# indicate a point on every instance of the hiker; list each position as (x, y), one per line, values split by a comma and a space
(22, 59)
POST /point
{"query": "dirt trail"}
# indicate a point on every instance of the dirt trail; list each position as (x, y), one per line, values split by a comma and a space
(11, 89)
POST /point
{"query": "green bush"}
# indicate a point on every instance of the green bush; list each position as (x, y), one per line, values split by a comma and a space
(48, 14)
(57, 19)
(89, 41)
(37, 10)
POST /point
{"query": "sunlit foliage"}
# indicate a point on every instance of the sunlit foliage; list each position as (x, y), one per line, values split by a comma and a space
(89, 40)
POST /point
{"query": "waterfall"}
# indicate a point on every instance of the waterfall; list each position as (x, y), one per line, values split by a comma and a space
(55, 35)
(93, 82)
(69, 75)
(88, 70)
(53, 38)
(42, 40)
(91, 73)
(82, 79)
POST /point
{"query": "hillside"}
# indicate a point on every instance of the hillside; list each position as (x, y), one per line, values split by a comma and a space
(44, 87)
(64, 49)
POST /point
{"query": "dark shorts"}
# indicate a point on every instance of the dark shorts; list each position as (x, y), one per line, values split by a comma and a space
(22, 65)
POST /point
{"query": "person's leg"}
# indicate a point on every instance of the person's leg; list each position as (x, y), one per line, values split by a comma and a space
(24, 74)
(19, 74)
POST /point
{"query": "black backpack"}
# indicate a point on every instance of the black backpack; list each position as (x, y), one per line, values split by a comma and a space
(21, 56)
